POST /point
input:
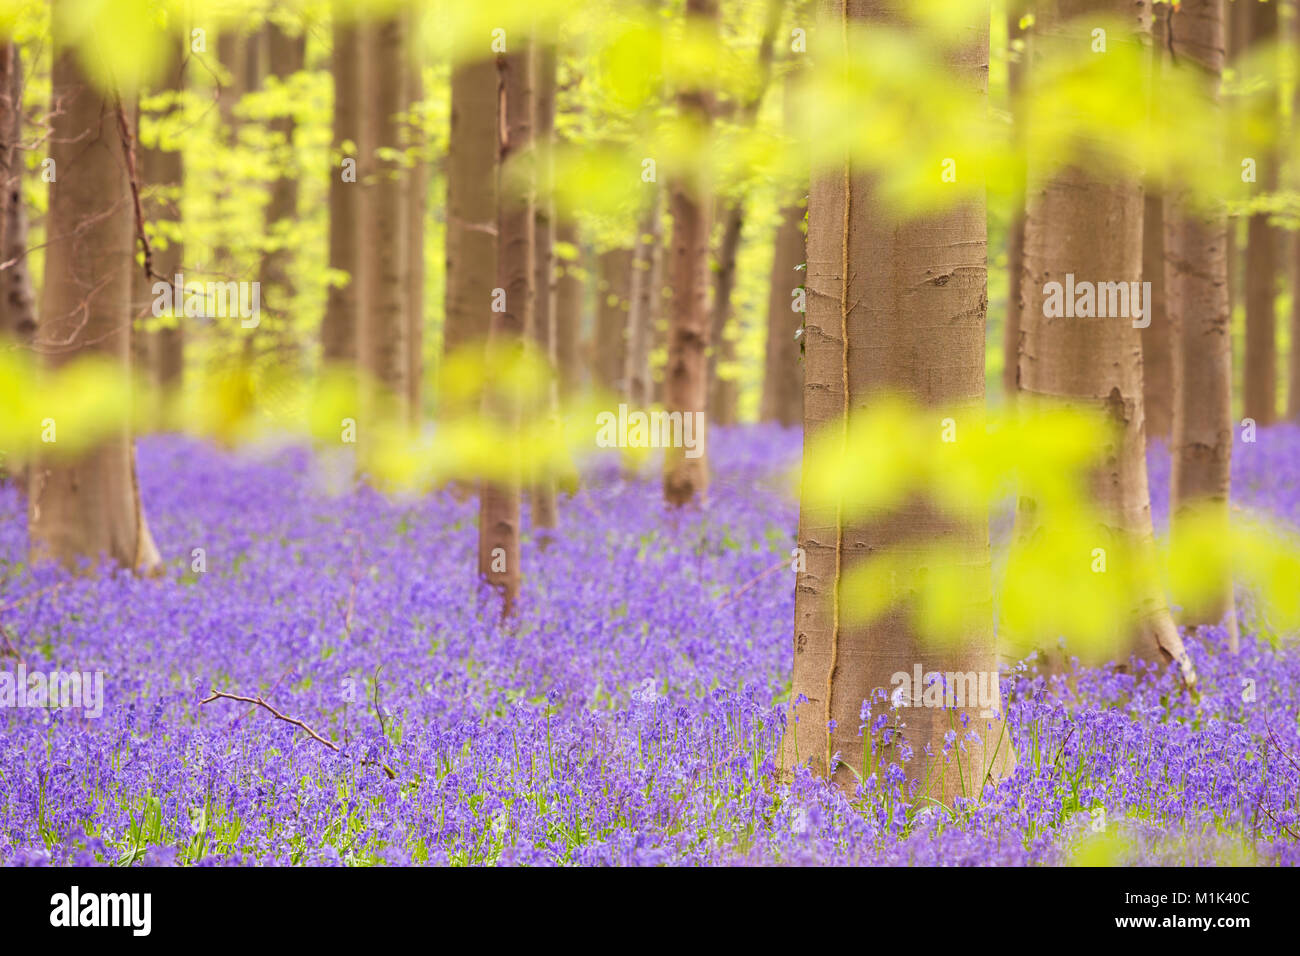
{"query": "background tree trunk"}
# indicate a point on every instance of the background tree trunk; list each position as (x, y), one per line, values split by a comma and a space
(417, 202)
(1293, 365)
(1260, 385)
(1077, 224)
(89, 505)
(722, 391)
(1017, 61)
(570, 289)
(339, 327)
(471, 203)
(544, 514)
(1197, 283)
(613, 289)
(498, 555)
(686, 378)
(382, 345)
(17, 299)
(1157, 338)
(874, 306)
(647, 281)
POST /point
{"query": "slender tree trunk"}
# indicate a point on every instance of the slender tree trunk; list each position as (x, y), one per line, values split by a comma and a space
(339, 327)
(88, 505)
(17, 300)
(544, 514)
(498, 554)
(1197, 266)
(569, 294)
(417, 201)
(782, 399)
(647, 282)
(879, 320)
(1093, 229)
(722, 391)
(382, 342)
(1293, 365)
(287, 55)
(1260, 385)
(471, 203)
(614, 281)
(1017, 60)
(686, 379)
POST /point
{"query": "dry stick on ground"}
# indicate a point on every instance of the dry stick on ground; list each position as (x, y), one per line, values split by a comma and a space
(733, 595)
(10, 649)
(221, 695)
(28, 597)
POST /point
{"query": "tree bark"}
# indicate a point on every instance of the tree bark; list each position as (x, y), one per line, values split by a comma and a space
(1293, 365)
(471, 203)
(1260, 385)
(570, 290)
(88, 505)
(892, 306)
(686, 378)
(499, 499)
(1197, 281)
(645, 295)
(382, 343)
(1017, 61)
(1091, 228)
(339, 327)
(722, 391)
(1157, 338)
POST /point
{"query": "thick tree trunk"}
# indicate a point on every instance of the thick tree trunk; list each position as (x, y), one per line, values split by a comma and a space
(646, 294)
(417, 201)
(544, 514)
(382, 342)
(1260, 385)
(1093, 229)
(287, 54)
(613, 288)
(498, 555)
(1197, 266)
(471, 203)
(339, 327)
(89, 505)
(1157, 338)
(569, 293)
(880, 319)
(17, 299)
(686, 378)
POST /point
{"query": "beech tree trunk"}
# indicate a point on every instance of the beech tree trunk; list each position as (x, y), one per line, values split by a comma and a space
(87, 506)
(1293, 365)
(1157, 338)
(287, 56)
(498, 553)
(882, 294)
(1260, 385)
(1077, 224)
(782, 399)
(1017, 61)
(1197, 265)
(646, 286)
(383, 344)
(569, 293)
(544, 514)
(339, 327)
(471, 203)
(417, 201)
(613, 287)
(722, 390)
(17, 299)
(686, 378)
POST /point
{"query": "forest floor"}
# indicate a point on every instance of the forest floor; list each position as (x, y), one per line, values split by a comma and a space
(631, 714)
